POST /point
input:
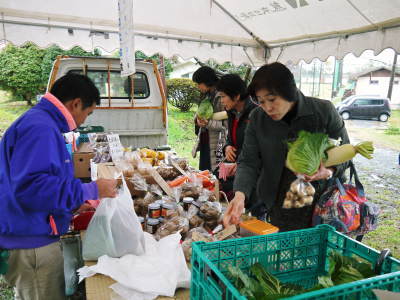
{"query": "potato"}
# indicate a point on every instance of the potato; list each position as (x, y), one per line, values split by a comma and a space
(309, 189)
(287, 204)
(308, 200)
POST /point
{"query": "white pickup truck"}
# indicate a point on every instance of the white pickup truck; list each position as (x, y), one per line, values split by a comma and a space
(139, 117)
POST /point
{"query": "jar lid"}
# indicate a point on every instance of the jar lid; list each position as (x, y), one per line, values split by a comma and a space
(141, 219)
(188, 200)
(160, 202)
(154, 205)
(151, 221)
(169, 205)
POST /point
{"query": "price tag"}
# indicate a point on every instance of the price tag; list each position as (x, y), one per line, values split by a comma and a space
(116, 149)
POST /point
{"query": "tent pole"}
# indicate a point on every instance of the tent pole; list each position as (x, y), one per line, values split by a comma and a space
(261, 42)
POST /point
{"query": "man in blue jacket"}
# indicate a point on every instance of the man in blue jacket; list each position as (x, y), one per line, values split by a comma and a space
(38, 191)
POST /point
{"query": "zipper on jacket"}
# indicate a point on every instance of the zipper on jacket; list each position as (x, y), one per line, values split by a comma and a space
(53, 226)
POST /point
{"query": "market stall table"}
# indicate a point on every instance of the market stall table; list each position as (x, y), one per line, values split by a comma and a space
(97, 287)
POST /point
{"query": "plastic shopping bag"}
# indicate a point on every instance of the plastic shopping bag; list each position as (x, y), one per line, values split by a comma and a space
(114, 229)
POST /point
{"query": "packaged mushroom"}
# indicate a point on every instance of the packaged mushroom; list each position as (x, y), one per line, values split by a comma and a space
(172, 226)
(211, 210)
(191, 189)
(300, 194)
(141, 205)
(168, 173)
(187, 249)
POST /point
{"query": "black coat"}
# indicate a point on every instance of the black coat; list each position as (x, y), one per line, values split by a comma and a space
(241, 128)
(265, 147)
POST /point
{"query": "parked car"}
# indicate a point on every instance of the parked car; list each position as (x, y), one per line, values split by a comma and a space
(139, 117)
(365, 107)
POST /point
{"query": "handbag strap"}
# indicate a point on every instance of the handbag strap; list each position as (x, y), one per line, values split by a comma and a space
(358, 184)
(340, 187)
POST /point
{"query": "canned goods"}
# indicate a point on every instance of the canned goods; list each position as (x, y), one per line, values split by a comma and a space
(154, 210)
(167, 209)
(187, 201)
(152, 225)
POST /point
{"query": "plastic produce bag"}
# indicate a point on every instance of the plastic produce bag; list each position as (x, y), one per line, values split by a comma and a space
(114, 229)
(300, 194)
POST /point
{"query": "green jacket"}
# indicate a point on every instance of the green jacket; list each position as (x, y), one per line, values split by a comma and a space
(265, 145)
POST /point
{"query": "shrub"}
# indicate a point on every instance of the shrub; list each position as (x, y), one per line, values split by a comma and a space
(182, 93)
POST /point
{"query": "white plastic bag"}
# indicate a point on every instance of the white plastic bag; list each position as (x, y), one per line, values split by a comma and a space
(160, 271)
(114, 229)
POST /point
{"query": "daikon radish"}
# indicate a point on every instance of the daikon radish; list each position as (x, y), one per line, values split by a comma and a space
(340, 154)
(221, 115)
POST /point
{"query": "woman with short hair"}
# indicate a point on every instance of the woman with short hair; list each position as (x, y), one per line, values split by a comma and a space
(284, 111)
(211, 131)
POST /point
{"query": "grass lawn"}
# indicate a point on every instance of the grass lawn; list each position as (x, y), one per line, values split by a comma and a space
(181, 136)
(9, 111)
(380, 136)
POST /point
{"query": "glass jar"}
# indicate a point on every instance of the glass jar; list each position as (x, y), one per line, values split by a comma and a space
(154, 210)
(167, 209)
(152, 225)
(187, 201)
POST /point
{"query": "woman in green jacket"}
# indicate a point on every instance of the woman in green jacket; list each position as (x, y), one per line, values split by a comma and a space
(284, 111)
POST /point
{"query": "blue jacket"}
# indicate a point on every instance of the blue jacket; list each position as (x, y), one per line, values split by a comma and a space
(37, 184)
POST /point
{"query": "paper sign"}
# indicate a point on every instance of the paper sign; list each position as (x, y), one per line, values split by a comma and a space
(126, 37)
(116, 149)
(93, 170)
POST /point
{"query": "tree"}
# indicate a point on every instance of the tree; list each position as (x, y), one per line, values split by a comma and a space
(20, 71)
(25, 71)
(228, 68)
(182, 93)
(51, 54)
(168, 62)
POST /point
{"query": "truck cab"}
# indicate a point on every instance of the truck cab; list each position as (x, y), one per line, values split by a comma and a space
(134, 107)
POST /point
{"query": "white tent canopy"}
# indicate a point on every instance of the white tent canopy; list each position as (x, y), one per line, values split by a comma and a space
(252, 31)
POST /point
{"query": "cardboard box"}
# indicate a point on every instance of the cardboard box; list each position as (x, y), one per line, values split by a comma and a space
(82, 159)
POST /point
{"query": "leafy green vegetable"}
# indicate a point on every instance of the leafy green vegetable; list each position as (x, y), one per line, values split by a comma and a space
(261, 285)
(205, 110)
(307, 151)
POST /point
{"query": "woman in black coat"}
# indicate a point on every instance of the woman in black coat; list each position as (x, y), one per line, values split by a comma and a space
(234, 97)
(283, 112)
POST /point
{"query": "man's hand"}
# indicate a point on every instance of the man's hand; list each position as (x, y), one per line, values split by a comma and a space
(107, 188)
(201, 122)
(322, 173)
(230, 153)
(234, 210)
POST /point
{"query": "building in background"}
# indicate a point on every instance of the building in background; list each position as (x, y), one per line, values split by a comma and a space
(184, 68)
(375, 82)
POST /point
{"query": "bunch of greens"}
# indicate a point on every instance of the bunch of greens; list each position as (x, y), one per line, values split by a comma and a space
(344, 269)
(261, 285)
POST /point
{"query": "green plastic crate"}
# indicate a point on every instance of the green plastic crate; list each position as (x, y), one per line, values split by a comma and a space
(296, 256)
